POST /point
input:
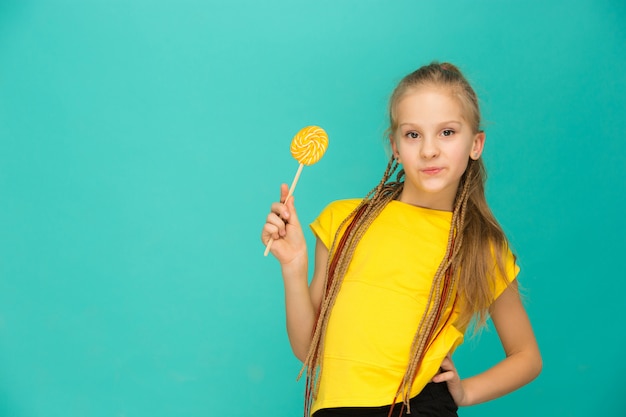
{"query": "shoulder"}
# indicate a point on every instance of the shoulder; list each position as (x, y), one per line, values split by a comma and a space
(338, 210)
(327, 223)
(341, 206)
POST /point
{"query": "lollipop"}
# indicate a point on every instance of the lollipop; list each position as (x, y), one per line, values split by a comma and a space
(307, 147)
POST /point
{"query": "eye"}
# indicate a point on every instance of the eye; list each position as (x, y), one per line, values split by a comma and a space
(448, 132)
(412, 135)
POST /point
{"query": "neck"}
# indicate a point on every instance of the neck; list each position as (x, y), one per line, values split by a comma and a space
(428, 201)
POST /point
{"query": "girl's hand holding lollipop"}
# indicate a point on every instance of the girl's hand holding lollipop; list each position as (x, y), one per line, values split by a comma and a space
(307, 147)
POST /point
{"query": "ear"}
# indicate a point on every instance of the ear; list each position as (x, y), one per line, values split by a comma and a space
(478, 145)
(394, 147)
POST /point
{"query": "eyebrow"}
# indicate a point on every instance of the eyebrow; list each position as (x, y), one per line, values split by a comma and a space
(442, 123)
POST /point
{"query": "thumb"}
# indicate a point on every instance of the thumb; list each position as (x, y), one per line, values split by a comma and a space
(284, 190)
(293, 215)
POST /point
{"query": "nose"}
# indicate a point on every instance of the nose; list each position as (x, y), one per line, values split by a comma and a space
(430, 148)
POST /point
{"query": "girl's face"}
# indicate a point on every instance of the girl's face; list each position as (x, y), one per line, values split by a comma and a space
(433, 142)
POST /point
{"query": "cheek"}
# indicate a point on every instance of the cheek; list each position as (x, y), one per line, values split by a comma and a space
(464, 165)
(461, 157)
(463, 152)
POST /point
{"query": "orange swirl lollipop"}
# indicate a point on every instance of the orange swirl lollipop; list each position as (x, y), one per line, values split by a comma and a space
(307, 147)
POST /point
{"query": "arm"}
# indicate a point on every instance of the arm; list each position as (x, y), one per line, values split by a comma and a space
(301, 301)
(521, 365)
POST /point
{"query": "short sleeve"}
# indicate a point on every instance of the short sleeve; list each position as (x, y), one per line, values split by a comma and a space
(511, 270)
(326, 224)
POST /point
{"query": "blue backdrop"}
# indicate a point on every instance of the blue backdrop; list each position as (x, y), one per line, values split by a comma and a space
(141, 143)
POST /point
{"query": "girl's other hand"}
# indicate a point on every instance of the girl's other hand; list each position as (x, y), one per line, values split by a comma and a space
(283, 226)
(450, 376)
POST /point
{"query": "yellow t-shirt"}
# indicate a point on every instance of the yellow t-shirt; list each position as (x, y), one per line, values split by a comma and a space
(382, 298)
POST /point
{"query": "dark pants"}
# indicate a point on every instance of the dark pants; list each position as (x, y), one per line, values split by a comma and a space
(434, 401)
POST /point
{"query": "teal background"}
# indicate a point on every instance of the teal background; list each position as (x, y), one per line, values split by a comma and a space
(142, 142)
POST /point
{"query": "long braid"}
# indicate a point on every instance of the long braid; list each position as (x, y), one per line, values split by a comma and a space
(442, 293)
(348, 235)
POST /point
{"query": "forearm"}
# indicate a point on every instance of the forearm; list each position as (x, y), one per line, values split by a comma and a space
(522, 363)
(512, 373)
(300, 311)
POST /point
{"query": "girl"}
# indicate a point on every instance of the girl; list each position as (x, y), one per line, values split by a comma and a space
(400, 274)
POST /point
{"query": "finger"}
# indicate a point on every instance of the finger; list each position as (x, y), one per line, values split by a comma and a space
(292, 214)
(275, 226)
(447, 364)
(284, 191)
(281, 210)
(444, 376)
(447, 371)
(271, 229)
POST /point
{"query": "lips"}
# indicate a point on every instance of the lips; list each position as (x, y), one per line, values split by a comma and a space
(431, 170)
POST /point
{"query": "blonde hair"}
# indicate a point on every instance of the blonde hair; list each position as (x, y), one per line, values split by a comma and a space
(474, 254)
